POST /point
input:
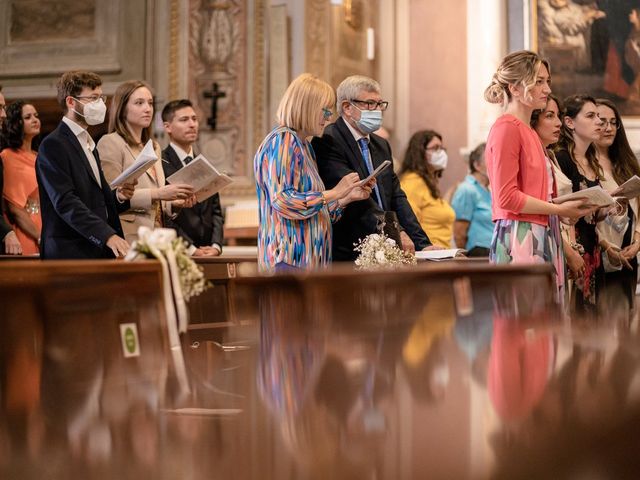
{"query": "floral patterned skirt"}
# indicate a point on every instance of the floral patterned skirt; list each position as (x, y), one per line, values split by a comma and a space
(515, 241)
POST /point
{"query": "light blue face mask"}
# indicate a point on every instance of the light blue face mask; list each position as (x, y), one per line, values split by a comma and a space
(370, 120)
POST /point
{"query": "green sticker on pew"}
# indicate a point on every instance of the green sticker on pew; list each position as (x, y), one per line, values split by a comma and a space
(130, 341)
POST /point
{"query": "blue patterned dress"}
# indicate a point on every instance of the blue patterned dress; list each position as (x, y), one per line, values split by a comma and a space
(295, 224)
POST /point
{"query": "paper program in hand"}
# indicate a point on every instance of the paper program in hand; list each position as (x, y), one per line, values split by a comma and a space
(144, 161)
(596, 196)
(205, 179)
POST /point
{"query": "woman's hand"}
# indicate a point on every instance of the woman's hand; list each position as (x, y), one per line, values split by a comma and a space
(575, 263)
(12, 244)
(616, 258)
(575, 209)
(631, 251)
(180, 191)
(344, 186)
(358, 193)
(186, 203)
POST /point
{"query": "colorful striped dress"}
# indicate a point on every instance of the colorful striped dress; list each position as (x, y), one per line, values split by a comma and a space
(295, 224)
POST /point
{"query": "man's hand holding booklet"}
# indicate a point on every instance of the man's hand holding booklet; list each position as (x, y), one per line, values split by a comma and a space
(205, 179)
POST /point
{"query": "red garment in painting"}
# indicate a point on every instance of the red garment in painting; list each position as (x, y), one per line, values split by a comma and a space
(613, 81)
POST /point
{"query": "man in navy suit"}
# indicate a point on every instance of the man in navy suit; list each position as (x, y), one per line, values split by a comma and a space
(202, 224)
(349, 145)
(9, 241)
(78, 207)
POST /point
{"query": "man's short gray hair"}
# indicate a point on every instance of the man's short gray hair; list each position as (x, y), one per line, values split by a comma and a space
(352, 86)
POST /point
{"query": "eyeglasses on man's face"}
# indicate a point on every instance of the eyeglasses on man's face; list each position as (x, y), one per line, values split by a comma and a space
(92, 98)
(613, 122)
(370, 104)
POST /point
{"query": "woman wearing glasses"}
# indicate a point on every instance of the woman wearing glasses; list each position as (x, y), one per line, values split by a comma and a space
(130, 118)
(20, 186)
(423, 165)
(576, 154)
(295, 208)
(526, 222)
(618, 235)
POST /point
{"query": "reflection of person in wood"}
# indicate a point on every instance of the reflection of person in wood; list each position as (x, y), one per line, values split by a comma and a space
(130, 122)
(201, 225)
(295, 208)
(19, 162)
(526, 222)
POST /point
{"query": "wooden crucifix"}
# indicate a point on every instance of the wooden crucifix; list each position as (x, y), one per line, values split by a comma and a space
(214, 95)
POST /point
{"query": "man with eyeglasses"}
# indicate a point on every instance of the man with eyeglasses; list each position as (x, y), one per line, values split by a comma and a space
(349, 145)
(79, 208)
(10, 243)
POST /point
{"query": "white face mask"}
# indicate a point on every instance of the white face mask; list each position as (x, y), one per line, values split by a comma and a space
(94, 112)
(438, 159)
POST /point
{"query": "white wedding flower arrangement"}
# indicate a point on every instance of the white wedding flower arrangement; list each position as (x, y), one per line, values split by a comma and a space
(183, 279)
(379, 251)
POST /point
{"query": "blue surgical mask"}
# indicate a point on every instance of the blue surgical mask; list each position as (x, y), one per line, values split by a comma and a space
(370, 120)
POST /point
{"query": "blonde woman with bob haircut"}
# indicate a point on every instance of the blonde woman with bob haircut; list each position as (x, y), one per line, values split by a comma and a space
(295, 208)
(130, 118)
(526, 223)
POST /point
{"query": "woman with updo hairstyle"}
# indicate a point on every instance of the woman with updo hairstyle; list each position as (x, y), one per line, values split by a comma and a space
(20, 191)
(422, 167)
(576, 154)
(526, 224)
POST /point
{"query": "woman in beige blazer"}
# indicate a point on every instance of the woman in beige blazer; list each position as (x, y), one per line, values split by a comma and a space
(130, 119)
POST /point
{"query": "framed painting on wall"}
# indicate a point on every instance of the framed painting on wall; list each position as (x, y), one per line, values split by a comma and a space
(593, 47)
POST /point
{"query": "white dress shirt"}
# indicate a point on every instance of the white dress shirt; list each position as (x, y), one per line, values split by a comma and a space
(88, 145)
(181, 156)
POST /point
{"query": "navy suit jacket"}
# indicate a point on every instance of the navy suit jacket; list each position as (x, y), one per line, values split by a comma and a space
(78, 215)
(201, 225)
(338, 154)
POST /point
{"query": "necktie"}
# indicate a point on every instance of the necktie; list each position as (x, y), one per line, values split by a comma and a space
(364, 148)
(187, 159)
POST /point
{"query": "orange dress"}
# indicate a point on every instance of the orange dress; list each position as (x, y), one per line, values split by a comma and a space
(21, 189)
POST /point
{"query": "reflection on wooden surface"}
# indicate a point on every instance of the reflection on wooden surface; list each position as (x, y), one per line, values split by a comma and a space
(443, 371)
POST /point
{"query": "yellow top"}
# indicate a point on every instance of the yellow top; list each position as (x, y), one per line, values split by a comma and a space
(435, 215)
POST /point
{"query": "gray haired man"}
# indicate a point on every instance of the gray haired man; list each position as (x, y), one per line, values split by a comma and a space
(349, 145)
